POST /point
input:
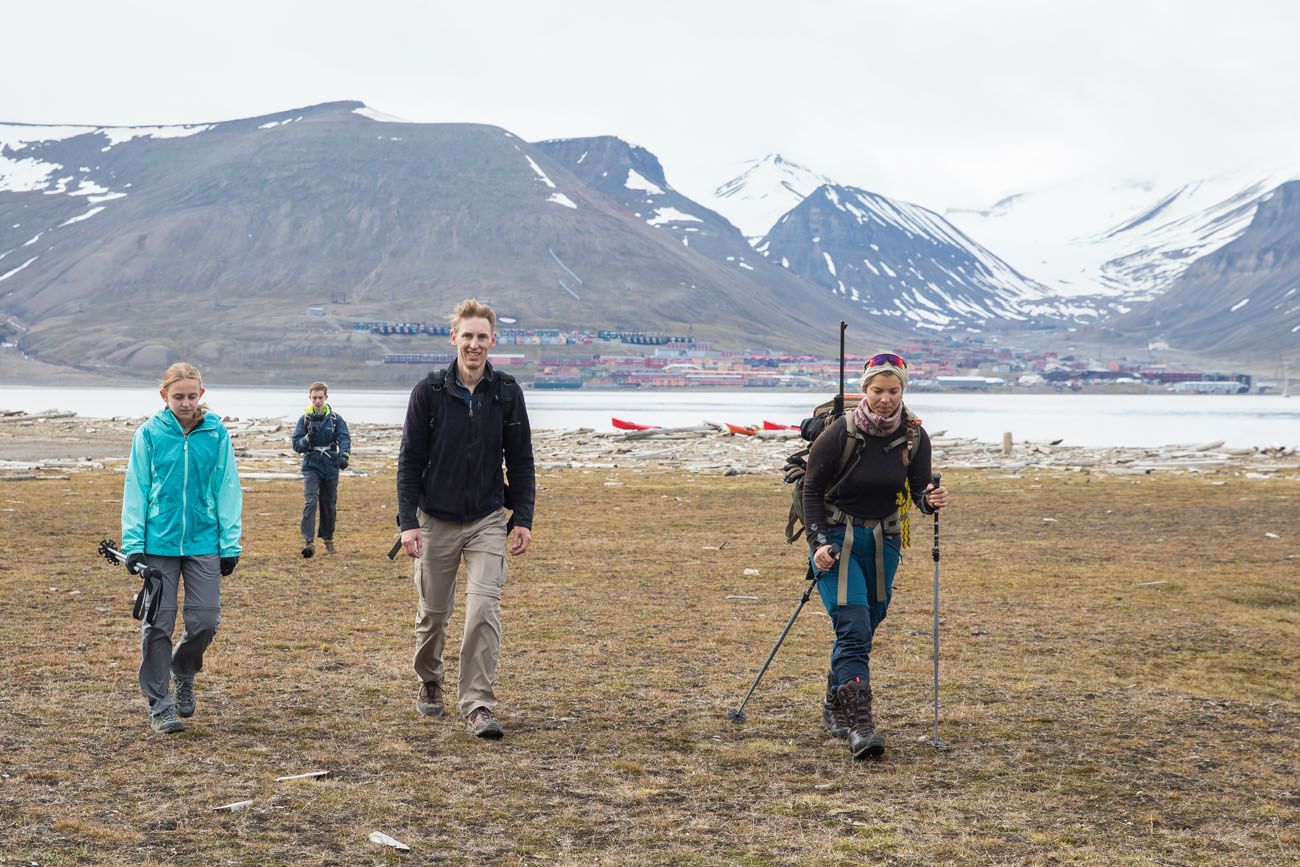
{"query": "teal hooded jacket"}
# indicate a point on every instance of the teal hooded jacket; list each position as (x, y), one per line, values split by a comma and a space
(181, 497)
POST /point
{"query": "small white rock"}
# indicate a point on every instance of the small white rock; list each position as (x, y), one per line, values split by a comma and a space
(385, 840)
(232, 807)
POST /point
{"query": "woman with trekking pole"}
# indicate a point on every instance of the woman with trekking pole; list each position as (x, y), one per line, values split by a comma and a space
(181, 505)
(864, 472)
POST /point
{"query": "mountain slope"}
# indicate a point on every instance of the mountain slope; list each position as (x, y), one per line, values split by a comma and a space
(122, 248)
(1243, 297)
(1126, 242)
(634, 177)
(902, 261)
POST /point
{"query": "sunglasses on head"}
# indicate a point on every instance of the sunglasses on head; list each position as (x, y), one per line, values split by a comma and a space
(885, 359)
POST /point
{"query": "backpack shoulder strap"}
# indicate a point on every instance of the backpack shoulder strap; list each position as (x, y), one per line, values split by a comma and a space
(437, 382)
(853, 442)
(507, 387)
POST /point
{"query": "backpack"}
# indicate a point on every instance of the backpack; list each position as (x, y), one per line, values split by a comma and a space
(796, 465)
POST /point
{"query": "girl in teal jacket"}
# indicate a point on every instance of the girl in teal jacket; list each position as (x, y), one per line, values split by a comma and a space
(181, 513)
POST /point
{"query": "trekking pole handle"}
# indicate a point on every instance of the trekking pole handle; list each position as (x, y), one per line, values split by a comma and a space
(934, 479)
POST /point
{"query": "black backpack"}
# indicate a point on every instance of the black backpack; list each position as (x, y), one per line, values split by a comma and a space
(796, 465)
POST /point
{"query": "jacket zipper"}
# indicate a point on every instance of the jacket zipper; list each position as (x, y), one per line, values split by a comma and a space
(185, 486)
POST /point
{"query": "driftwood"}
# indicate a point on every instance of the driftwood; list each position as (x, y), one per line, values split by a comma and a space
(264, 451)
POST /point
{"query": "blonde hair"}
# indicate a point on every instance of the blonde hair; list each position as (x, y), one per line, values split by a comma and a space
(178, 371)
(318, 386)
(184, 370)
(472, 308)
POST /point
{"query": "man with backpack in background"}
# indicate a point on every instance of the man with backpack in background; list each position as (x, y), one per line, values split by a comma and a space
(321, 437)
(451, 505)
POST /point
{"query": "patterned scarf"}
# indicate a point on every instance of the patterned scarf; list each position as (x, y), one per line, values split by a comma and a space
(876, 425)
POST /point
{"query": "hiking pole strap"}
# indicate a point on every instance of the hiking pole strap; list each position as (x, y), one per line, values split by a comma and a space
(146, 601)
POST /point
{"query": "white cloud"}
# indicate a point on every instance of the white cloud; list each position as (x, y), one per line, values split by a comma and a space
(943, 102)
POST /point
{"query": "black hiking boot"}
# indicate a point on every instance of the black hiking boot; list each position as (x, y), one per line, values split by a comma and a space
(854, 701)
(308, 550)
(836, 722)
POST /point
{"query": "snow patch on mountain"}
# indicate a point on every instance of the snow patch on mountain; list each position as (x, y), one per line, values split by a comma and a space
(1126, 241)
(764, 190)
(541, 174)
(382, 117)
(637, 181)
(672, 215)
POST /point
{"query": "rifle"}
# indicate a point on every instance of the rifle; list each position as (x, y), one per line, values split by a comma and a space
(146, 601)
(839, 398)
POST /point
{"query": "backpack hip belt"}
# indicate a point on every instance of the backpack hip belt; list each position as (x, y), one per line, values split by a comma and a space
(890, 525)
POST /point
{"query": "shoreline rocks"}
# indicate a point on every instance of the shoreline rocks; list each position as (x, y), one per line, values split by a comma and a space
(53, 444)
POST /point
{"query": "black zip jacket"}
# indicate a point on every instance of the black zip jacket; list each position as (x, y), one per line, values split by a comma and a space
(454, 473)
(872, 486)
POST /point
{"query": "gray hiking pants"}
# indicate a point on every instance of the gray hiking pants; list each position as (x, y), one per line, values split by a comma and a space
(202, 615)
(482, 544)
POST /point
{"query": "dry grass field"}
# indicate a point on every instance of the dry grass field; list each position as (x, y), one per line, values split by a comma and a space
(1119, 686)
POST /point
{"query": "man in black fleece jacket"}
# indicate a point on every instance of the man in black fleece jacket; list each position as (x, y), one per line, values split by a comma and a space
(451, 502)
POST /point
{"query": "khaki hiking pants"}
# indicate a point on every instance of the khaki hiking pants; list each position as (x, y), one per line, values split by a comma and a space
(482, 544)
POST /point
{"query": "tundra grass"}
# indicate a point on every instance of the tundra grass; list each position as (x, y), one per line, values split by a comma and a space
(1118, 674)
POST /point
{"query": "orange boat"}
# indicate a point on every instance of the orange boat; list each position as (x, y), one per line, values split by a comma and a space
(631, 425)
(771, 425)
(744, 430)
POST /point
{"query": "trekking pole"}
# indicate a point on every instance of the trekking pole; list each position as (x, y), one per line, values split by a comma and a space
(936, 743)
(146, 601)
(737, 715)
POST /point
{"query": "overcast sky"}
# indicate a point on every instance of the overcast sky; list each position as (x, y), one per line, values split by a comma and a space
(953, 103)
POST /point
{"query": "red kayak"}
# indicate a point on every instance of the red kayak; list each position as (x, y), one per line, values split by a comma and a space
(771, 425)
(631, 425)
(743, 430)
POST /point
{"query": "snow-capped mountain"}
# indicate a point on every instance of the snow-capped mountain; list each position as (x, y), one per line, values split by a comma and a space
(1243, 297)
(1126, 242)
(902, 260)
(634, 176)
(763, 191)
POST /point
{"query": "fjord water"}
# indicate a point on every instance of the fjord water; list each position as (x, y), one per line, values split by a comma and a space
(1076, 419)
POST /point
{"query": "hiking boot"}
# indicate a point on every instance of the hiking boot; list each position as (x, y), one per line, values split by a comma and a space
(185, 697)
(429, 701)
(854, 702)
(166, 723)
(308, 550)
(482, 723)
(836, 722)
(329, 546)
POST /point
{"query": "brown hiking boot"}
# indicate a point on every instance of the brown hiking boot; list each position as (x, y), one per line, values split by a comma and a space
(429, 701)
(329, 547)
(836, 722)
(482, 723)
(854, 702)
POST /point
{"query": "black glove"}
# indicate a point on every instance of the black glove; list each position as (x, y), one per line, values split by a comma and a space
(343, 463)
(228, 564)
(133, 560)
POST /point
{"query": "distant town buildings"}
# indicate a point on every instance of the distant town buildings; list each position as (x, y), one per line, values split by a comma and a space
(577, 358)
